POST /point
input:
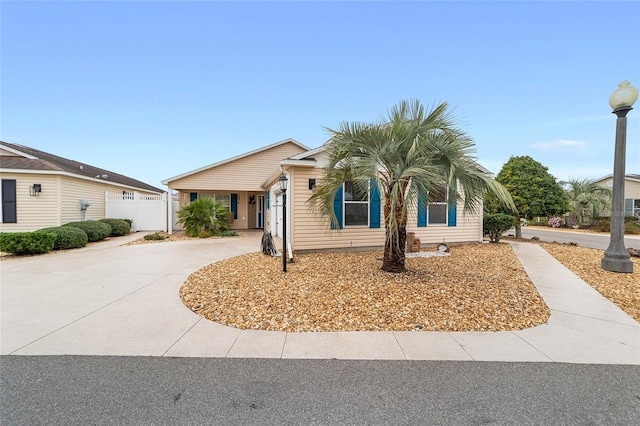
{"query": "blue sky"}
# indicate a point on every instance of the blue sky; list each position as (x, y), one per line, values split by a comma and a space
(155, 89)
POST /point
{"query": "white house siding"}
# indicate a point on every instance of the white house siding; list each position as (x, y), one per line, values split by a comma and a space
(33, 213)
(311, 233)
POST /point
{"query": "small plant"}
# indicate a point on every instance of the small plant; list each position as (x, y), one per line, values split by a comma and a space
(119, 227)
(154, 237)
(67, 237)
(23, 243)
(204, 217)
(556, 222)
(95, 230)
(497, 224)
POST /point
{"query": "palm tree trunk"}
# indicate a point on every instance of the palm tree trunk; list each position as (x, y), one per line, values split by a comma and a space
(394, 246)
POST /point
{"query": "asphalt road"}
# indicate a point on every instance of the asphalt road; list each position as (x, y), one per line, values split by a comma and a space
(597, 241)
(75, 390)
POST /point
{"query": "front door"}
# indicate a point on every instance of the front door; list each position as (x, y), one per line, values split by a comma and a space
(260, 212)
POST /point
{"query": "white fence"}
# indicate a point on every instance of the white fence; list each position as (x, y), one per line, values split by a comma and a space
(147, 211)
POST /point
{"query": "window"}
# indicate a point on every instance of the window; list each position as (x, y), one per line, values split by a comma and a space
(437, 207)
(356, 205)
(9, 201)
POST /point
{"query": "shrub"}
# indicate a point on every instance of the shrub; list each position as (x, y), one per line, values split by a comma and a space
(497, 224)
(67, 237)
(129, 221)
(96, 231)
(556, 222)
(119, 227)
(154, 237)
(22, 243)
(204, 217)
(631, 225)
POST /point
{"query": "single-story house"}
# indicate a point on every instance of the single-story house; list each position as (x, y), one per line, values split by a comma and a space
(42, 190)
(631, 193)
(248, 184)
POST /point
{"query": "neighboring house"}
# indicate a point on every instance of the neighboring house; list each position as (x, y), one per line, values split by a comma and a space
(42, 190)
(631, 193)
(248, 183)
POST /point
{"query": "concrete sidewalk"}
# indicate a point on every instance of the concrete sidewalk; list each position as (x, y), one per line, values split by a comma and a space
(109, 299)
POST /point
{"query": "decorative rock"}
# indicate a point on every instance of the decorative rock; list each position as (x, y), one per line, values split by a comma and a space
(633, 252)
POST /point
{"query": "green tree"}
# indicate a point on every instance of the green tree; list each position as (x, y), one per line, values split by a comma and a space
(204, 217)
(535, 192)
(586, 199)
(407, 154)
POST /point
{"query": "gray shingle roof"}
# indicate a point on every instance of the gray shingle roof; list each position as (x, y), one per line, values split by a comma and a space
(50, 162)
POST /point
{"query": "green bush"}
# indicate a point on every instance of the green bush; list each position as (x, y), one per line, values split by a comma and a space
(22, 243)
(96, 231)
(154, 237)
(631, 225)
(497, 224)
(67, 237)
(119, 227)
(204, 217)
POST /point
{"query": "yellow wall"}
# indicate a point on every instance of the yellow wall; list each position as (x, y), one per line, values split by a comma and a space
(244, 174)
(312, 233)
(34, 213)
(59, 201)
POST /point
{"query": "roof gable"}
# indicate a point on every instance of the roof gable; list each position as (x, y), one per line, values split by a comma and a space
(26, 158)
(236, 159)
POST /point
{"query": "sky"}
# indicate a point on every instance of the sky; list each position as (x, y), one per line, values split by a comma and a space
(153, 90)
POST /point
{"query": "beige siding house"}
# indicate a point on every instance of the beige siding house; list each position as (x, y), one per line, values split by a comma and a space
(41, 190)
(236, 182)
(253, 178)
(631, 193)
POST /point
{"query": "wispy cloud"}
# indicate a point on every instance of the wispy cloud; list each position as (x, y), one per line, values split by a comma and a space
(562, 145)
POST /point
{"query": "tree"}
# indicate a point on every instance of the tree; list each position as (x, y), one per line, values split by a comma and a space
(406, 156)
(535, 192)
(204, 217)
(586, 199)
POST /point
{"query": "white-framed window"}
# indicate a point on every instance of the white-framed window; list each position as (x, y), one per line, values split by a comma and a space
(356, 205)
(437, 207)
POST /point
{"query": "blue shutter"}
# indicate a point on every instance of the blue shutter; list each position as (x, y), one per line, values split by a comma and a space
(374, 205)
(422, 210)
(234, 205)
(451, 211)
(9, 212)
(193, 196)
(268, 200)
(337, 208)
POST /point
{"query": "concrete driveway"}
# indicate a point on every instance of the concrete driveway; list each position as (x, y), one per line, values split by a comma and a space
(109, 299)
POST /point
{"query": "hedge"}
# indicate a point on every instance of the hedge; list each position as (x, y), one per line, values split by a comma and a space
(67, 237)
(23, 243)
(96, 231)
(119, 227)
(497, 224)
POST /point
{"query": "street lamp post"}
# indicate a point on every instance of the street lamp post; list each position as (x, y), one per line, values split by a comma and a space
(282, 182)
(616, 258)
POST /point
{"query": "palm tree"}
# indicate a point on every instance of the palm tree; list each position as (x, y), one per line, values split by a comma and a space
(586, 199)
(204, 217)
(408, 155)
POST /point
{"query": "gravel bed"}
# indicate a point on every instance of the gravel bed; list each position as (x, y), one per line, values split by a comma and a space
(479, 287)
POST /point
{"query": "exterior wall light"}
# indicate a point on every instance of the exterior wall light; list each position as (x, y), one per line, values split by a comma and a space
(35, 190)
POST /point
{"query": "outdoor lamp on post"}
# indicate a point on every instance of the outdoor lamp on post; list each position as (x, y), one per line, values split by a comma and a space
(616, 258)
(282, 183)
